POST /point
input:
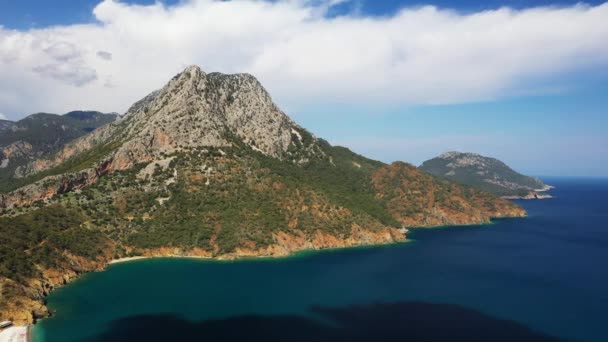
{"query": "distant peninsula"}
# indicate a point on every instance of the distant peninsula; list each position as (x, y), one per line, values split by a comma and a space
(486, 173)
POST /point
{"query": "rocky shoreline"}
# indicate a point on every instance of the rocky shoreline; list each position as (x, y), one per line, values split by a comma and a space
(26, 310)
(32, 307)
(535, 194)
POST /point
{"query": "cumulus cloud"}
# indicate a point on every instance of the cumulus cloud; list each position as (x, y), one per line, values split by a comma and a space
(70, 73)
(62, 51)
(417, 56)
(105, 55)
(66, 64)
(3, 117)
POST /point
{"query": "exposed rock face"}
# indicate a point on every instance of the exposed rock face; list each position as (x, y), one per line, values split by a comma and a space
(18, 149)
(485, 173)
(28, 305)
(198, 109)
(51, 186)
(194, 109)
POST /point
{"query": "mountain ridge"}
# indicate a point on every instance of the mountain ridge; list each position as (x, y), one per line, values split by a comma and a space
(40, 135)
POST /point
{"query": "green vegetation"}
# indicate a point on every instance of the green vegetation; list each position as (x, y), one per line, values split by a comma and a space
(344, 179)
(40, 237)
(239, 200)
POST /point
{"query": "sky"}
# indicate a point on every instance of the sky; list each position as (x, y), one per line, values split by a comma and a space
(522, 81)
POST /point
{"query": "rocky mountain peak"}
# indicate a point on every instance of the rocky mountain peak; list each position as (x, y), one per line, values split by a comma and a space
(193, 110)
(198, 109)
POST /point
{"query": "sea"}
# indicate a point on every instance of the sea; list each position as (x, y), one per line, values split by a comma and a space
(539, 278)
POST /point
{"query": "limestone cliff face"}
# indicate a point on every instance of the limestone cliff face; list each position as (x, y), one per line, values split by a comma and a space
(53, 185)
(199, 109)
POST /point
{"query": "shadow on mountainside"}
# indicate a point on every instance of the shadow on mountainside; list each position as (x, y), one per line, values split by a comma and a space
(409, 321)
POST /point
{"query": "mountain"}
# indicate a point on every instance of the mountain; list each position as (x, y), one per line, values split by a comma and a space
(207, 166)
(485, 173)
(40, 135)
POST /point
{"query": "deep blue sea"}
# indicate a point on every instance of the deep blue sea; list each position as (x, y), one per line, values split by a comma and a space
(544, 277)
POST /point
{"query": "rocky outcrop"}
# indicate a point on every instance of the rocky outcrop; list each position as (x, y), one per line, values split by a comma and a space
(17, 149)
(27, 303)
(50, 186)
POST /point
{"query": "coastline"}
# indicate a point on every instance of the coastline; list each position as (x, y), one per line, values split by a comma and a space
(533, 195)
(127, 259)
(277, 254)
(545, 188)
(221, 258)
(294, 254)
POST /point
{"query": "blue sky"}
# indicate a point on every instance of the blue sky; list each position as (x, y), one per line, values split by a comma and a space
(542, 108)
(41, 13)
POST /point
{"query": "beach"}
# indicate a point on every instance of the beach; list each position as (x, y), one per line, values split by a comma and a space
(15, 334)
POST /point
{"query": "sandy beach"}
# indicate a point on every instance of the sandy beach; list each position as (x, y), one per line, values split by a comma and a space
(15, 334)
(127, 259)
(117, 261)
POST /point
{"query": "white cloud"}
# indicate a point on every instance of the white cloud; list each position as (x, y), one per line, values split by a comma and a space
(105, 55)
(75, 74)
(3, 117)
(417, 56)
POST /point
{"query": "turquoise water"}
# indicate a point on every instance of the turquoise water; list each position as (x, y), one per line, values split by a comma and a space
(539, 278)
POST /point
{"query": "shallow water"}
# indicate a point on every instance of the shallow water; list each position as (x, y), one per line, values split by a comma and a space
(536, 278)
